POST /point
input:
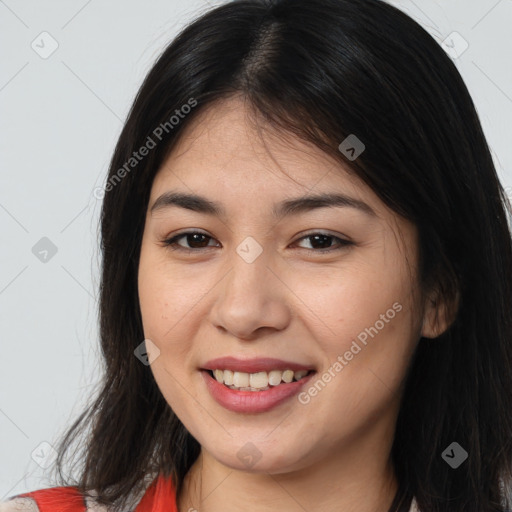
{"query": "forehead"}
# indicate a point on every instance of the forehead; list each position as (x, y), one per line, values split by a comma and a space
(225, 152)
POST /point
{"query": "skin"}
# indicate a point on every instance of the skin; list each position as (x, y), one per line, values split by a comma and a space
(290, 303)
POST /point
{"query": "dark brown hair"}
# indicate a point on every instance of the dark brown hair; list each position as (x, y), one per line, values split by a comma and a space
(322, 70)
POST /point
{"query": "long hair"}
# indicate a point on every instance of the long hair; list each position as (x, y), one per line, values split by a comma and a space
(323, 70)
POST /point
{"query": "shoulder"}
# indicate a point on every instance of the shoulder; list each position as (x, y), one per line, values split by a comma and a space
(29, 505)
(67, 499)
(19, 505)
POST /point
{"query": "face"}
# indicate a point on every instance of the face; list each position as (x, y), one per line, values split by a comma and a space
(332, 289)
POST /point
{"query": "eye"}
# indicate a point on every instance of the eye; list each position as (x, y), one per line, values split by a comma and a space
(323, 239)
(194, 238)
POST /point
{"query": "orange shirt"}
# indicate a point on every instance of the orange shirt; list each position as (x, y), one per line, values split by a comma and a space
(160, 496)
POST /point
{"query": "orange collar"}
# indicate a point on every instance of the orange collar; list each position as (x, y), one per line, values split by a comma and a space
(159, 497)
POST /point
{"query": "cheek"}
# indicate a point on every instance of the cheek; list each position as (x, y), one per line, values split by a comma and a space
(341, 302)
(160, 294)
(362, 320)
(163, 309)
(171, 299)
(157, 299)
(366, 345)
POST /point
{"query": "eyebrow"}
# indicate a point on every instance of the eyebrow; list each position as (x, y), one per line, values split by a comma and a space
(282, 209)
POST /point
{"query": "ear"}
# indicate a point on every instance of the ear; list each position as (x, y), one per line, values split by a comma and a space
(440, 311)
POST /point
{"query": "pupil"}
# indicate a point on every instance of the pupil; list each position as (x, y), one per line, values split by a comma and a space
(316, 237)
(194, 241)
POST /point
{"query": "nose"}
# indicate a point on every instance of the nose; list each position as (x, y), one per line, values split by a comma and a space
(253, 298)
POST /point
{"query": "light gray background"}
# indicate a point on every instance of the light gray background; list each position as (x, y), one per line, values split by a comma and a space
(60, 118)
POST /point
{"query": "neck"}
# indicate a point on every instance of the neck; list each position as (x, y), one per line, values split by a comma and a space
(355, 477)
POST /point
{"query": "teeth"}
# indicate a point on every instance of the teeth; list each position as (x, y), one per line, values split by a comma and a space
(241, 380)
(274, 377)
(287, 376)
(259, 381)
(228, 377)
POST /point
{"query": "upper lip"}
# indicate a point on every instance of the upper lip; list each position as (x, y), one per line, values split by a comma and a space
(260, 364)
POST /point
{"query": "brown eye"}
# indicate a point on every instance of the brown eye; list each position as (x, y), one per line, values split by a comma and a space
(195, 239)
(323, 242)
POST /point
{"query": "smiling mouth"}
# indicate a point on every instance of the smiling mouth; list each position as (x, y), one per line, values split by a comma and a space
(260, 381)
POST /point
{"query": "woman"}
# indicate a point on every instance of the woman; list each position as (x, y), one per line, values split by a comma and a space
(307, 278)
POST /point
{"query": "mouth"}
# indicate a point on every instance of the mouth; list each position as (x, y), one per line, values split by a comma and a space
(254, 393)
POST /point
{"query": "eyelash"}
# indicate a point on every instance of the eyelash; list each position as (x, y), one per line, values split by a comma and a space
(171, 243)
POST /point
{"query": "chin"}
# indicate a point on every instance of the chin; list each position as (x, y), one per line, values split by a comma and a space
(260, 458)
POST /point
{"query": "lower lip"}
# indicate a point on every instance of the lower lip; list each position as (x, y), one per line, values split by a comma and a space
(252, 401)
